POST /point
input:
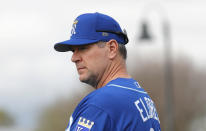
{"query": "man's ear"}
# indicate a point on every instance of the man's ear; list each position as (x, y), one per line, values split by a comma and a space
(112, 48)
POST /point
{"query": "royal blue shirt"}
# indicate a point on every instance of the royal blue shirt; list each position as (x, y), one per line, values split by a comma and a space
(121, 105)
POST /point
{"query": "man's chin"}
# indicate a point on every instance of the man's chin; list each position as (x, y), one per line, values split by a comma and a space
(82, 78)
(88, 80)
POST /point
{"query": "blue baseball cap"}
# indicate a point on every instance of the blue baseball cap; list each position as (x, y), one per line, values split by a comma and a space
(91, 28)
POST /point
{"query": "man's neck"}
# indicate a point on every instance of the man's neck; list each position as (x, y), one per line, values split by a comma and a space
(115, 70)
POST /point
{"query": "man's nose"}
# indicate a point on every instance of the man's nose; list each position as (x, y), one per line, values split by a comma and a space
(75, 56)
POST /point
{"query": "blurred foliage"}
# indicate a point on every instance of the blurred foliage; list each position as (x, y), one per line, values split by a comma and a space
(189, 97)
(56, 116)
(189, 83)
(5, 119)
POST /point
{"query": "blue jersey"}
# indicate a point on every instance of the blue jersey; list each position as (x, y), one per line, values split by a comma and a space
(121, 105)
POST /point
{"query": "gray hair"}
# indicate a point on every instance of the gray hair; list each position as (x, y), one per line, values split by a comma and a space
(121, 48)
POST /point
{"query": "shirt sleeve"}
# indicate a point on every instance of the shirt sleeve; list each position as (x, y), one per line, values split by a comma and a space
(92, 118)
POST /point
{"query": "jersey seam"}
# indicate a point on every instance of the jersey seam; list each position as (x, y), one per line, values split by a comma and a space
(124, 87)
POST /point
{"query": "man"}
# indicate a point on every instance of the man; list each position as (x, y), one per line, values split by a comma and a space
(118, 103)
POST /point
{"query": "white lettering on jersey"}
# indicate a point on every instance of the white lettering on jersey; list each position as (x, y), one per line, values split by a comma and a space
(144, 118)
(79, 128)
(152, 109)
(146, 109)
(70, 123)
(137, 84)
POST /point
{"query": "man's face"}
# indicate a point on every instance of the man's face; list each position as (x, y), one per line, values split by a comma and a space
(91, 62)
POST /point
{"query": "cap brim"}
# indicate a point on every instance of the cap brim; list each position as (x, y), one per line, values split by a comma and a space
(66, 45)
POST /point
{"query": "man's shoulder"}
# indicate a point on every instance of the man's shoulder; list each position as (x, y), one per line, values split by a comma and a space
(116, 93)
(104, 95)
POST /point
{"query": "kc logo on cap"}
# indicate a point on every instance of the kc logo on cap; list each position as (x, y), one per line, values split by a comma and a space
(73, 31)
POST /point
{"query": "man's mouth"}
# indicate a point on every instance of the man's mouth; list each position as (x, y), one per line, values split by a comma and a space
(80, 68)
